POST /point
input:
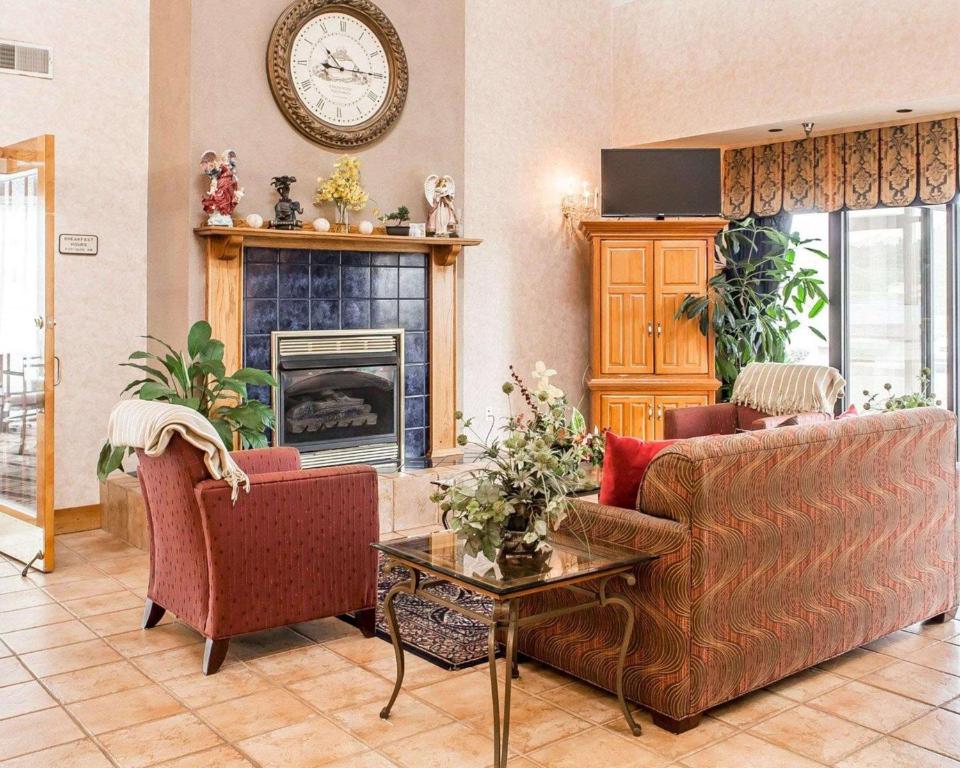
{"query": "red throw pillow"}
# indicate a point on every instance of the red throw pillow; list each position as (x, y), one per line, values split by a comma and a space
(625, 461)
(850, 412)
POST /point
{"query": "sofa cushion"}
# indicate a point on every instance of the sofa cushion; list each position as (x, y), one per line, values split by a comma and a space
(625, 461)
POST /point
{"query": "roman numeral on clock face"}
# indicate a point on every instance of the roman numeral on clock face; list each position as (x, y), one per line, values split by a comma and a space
(306, 83)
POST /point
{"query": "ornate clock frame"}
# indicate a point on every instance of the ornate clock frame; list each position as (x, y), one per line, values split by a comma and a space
(281, 82)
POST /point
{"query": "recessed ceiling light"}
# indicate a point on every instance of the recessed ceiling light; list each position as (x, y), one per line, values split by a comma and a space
(775, 130)
(904, 110)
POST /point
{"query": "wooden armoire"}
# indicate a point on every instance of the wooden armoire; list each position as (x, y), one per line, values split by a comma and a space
(643, 360)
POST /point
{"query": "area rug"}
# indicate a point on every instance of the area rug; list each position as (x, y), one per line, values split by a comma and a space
(439, 635)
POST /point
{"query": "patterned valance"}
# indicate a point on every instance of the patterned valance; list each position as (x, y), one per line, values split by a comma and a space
(894, 166)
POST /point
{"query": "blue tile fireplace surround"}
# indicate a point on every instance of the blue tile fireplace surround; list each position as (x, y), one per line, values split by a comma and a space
(300, 290)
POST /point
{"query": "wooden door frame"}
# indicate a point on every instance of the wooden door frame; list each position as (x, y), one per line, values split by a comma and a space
(25, 155)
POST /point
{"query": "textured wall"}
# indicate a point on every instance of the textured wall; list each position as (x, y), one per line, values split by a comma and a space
(536, 112)
(227, 101)
(96, 107)
(688, 67)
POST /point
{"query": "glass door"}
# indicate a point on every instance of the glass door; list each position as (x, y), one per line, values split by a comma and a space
(896, 311)
(26, 351)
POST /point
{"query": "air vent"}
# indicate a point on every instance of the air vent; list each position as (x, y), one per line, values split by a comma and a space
(337, 344)
(25, 59)
(381, 453)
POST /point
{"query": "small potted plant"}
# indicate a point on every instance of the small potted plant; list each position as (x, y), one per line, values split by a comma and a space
(401, 215)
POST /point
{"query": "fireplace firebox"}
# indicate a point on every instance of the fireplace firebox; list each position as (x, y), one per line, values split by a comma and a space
(340, 396)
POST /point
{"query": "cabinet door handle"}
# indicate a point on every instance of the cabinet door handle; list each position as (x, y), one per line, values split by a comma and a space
(649, 411)
(650, 328)
(659, 411)
(659, 328)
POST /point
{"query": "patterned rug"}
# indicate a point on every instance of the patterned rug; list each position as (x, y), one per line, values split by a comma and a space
(441, 636)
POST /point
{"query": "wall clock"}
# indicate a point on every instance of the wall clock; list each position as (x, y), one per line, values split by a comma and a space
(337, 70)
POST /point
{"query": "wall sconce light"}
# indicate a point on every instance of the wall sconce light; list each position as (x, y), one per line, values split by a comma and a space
(578, 204)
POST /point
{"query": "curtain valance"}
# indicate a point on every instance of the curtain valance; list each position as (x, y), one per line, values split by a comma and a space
(893, 166)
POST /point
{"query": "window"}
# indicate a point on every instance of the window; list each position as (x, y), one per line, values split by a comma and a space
(889, 280)
(805, 346)
(895, 325)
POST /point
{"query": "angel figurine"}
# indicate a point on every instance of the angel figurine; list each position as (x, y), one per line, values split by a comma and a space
(224, 192)
(439, 191)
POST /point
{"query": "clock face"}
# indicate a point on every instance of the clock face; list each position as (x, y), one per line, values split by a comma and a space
(339, 69)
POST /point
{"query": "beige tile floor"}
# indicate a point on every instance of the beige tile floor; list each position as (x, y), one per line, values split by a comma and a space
(81, 686)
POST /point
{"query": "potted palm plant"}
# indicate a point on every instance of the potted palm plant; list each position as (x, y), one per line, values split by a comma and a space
(758, 298)
(199, 381)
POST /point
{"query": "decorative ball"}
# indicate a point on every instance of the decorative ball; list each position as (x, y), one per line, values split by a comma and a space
(254, 220)
(365, 227)
(321, 225)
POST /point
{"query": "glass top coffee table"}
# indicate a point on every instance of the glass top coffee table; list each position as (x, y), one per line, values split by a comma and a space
(572, 566)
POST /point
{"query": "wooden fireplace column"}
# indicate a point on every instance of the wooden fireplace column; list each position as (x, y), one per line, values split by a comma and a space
(223, 256)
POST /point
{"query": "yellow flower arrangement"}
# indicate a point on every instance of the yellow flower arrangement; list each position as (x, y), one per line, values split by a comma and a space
(343, 187)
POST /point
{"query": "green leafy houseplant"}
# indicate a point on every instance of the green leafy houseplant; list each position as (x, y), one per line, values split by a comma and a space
(532, 464)
(922, 398)
(198, 381)
(758, 298)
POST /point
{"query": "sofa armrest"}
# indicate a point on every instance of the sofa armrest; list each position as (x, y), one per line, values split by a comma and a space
(719, 419)
(796, 419)
(296, 547)
(257, 461)
(604, 524)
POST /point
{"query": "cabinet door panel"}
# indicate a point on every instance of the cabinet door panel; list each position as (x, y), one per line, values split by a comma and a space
(631, 415)
(626, 306)
(666, 402)
(681, 269)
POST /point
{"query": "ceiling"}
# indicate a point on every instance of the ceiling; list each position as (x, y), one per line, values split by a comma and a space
(823, 124)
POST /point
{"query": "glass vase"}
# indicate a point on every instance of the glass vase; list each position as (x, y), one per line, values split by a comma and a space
(343, 219)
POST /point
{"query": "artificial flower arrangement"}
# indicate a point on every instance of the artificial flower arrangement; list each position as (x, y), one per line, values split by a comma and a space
(342, 188)
(506, 508)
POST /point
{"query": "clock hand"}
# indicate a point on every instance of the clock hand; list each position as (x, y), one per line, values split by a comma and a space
(333, 59)
(355, 71)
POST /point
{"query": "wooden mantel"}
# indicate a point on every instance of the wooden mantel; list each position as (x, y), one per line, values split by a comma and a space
(224, 300)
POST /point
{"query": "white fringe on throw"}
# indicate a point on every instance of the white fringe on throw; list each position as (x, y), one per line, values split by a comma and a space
(783, 388)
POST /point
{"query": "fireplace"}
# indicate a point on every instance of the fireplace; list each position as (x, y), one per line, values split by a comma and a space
(340, 396)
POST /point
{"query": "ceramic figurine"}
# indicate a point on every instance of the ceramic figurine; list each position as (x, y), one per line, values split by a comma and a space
(439, 191)
(224, 192)
(285, 210)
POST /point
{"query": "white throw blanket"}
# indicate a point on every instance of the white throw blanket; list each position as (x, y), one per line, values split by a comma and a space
(781, 388)
(150, 425)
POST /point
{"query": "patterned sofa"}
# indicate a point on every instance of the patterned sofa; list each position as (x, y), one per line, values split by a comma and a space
(778, 550)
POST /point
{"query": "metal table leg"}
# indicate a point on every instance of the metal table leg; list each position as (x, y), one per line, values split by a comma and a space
(409, 587)
(505, 617)
(624, 646)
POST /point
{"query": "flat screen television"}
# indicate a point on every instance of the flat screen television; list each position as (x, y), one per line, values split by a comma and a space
(655, 182)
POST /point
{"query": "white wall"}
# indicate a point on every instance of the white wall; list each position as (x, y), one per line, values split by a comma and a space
(537, 109)
(691, 67)
(96, 107)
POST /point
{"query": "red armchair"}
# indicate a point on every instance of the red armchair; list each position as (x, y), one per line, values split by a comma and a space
(726, 419)
(296, 548)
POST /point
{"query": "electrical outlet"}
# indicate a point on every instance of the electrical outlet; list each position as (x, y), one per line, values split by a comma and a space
(488, 415)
